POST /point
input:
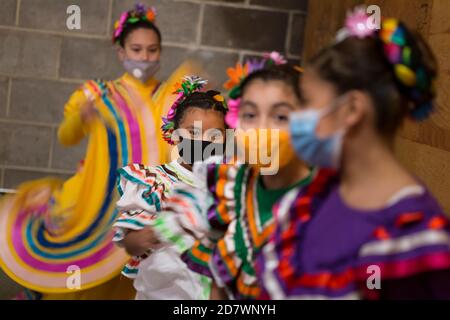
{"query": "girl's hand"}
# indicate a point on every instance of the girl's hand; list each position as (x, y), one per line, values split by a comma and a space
(138, 242)
(88, 111)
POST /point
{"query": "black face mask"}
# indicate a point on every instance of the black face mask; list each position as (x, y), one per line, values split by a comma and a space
(199, 150)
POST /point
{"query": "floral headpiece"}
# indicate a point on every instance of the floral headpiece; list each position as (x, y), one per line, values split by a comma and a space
(188, 86)
(356, 25)
(139, 13)
(401, 52)
(238, 74)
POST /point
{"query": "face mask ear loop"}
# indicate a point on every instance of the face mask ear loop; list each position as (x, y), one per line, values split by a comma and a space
(339, 101)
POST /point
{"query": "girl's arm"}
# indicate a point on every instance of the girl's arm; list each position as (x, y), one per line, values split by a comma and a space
(141, 192)
(137, 242)
(217, 293)
(77, 113)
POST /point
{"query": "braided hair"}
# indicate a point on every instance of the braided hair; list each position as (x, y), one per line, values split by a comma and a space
(202, 100)
(395, 67)
(189, 95)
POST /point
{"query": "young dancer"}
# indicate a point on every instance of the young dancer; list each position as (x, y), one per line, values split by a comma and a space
(374, 231)
(158, 271)
(238, 203)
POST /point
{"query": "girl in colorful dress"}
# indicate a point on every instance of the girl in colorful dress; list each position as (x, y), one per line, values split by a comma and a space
(53, 229)
(237, 204)
(374, 231)
(158, 271)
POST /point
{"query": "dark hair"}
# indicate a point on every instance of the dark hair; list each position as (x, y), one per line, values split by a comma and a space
(285, 73)
(130, 27)
(202, 100)
(361, 64)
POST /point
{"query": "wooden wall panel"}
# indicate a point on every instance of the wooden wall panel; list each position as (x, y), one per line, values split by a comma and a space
(430, 164)
(325, 18)
(440, 17)
(415, 13)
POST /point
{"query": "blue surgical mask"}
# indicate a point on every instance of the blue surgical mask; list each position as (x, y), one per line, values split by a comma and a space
(314, 150)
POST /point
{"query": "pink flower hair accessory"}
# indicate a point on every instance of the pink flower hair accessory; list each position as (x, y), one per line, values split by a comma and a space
(238, 74)
(356, 25)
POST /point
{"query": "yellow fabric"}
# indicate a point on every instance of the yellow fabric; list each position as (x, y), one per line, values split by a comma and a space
(72, 130)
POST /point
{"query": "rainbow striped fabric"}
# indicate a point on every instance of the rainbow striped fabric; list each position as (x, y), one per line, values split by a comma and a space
(52, 230)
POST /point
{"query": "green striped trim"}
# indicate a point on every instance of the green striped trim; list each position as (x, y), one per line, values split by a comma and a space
(127, 270)
(124, 173)
(154, 200)
(241, 178)
(130, 221)
(161, 226)
(203, 249)
(206, 283)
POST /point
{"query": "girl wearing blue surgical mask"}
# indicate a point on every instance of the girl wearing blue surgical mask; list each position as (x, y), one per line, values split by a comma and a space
(373, 231)
(121, 119)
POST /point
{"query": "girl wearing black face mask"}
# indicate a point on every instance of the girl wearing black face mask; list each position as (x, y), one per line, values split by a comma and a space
(196, 124)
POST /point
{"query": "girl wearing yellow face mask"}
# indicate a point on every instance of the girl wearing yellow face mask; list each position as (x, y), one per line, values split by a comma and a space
(239, 197)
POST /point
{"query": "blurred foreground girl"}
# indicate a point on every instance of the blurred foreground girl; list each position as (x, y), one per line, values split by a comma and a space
(375, 231)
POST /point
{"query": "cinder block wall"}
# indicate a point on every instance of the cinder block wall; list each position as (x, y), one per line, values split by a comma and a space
(42, 62)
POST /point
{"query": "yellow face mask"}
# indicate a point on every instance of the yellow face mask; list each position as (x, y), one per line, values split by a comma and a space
(264, 148)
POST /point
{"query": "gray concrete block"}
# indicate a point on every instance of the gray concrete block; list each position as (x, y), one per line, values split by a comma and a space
(28, 54)
(177, 21)
(3, 95)
(297, 34)
(214, 63)
(8, 12)
(26, 145)
(52, 15)
(283, 4)
(39, 100)
(89, 59)
(237, 28)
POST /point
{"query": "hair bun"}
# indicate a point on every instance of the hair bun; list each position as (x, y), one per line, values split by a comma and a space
(212, 93)
(413, 64)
